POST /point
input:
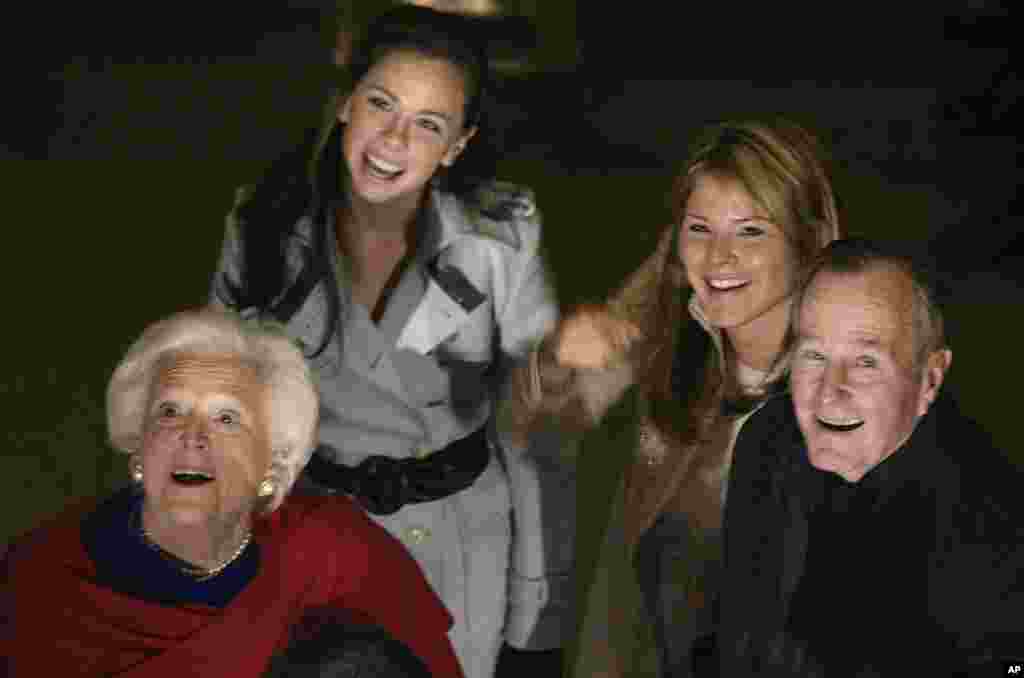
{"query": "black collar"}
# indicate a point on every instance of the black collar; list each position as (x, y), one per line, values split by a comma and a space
(126, 563)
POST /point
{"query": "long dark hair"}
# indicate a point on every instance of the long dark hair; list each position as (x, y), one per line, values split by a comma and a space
(308, 180)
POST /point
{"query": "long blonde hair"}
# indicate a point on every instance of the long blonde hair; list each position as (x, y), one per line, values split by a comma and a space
(783, 168)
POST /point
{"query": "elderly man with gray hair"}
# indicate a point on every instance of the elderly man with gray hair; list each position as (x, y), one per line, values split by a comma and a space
(204, 564)
(872, 529)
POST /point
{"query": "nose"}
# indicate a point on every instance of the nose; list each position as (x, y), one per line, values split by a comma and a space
(833, 383)
(396, 132)
(195, 434)
(721, 249)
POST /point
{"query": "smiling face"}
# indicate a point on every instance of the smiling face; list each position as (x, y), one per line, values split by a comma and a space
(206, 443)
(740, 265)
(403, 120)
(857, 391)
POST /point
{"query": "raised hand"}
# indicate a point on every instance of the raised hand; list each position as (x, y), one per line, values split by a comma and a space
(592, 338)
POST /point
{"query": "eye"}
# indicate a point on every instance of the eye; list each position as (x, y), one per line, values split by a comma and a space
(430, 125)
(379, 102)
(167, 411)
(867, 361)
(697, 227)
(228, 418)
(751, 231)
(809, 355)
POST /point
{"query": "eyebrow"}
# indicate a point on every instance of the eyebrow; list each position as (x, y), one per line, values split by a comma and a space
(391, 94)
(697, 215)
(866, 341)
(176, 393)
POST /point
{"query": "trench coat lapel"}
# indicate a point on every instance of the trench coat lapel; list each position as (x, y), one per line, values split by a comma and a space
(446, 297)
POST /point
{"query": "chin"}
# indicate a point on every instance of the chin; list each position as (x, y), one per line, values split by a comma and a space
(720, 315)
(834, 462)
(728, 313)
(188, 514)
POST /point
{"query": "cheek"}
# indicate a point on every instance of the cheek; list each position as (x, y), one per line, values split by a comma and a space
(243, 462)
(803, 401)
(775, 259)
(690, 255)
(801, 389)
(904, 414)
(157, 445)
(355, 134)
(429, 151)
(247, 460)
(777, 270)
(348, 139)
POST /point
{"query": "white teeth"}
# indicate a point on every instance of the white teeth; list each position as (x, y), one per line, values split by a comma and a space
(726, 284)
(840, 422)
(382, 167)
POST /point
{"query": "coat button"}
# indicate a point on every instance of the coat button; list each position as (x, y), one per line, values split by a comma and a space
(417, 535)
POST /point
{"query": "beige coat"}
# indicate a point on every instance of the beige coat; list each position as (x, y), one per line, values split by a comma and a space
(615, 638)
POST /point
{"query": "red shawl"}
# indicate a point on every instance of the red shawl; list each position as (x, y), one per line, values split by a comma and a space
(316, 552)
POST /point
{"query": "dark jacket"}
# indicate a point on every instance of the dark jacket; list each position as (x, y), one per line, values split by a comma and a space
(918, 569)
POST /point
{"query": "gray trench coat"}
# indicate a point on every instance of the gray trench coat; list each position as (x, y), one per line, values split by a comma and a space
(426, 375)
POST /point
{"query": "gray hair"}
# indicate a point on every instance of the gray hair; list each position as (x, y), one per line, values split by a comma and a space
(860, 255)
(293, 401)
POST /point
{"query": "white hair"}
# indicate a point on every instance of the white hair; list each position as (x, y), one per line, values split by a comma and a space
(292, 395)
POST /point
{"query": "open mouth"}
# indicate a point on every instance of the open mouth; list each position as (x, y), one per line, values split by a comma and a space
(381, 169)
(191, 477)
(726, 284)
(840, 425)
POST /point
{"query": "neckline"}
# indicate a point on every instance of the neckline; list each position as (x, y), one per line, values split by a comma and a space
(125, 562)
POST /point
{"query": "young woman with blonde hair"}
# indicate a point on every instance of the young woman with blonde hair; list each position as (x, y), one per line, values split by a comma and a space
(698, 329)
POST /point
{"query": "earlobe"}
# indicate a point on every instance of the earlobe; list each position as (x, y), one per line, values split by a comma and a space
(452, 154)
(457, 148)
(934, 375)
(343, 110)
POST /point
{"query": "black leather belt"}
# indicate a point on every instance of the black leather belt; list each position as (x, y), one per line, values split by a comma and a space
(385, 484)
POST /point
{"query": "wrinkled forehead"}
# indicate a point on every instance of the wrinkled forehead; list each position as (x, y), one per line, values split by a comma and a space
(877, 304)
(223, 374)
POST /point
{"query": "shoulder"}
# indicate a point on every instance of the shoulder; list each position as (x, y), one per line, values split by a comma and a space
(53, 543)
(963, 444)
(970, 461)
(332, 524)
(772, 427)
(498, 211)
(317, 516)
(768, 446)
(979, 494)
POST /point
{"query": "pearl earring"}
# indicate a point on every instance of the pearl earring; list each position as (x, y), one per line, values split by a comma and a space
(136, 471)
(266, 489)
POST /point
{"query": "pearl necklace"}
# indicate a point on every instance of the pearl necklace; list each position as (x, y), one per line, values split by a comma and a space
(194, 571)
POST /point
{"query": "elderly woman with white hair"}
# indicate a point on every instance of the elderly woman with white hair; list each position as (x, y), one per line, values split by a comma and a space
(203, 565)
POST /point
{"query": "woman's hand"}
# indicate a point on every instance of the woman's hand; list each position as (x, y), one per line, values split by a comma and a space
(592, 338)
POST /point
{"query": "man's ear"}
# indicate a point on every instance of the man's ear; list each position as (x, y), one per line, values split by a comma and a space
(456, 149)
(932, 377)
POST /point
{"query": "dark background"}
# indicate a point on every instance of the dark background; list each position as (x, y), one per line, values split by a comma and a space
(127, 131)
